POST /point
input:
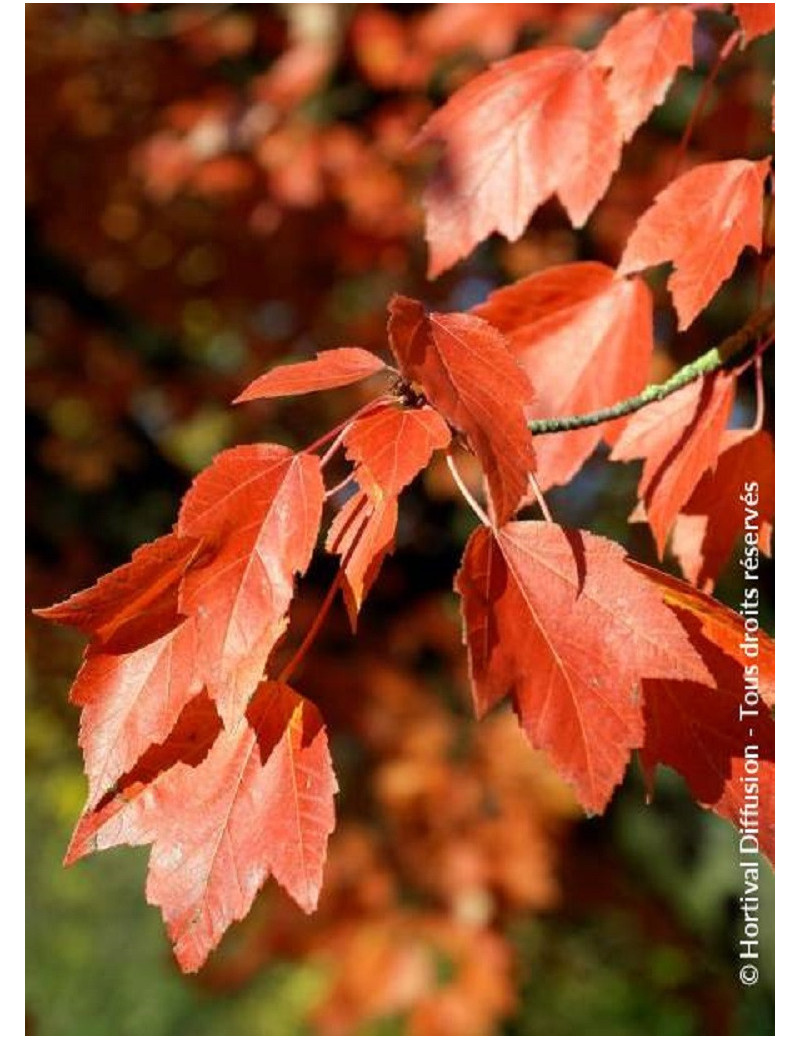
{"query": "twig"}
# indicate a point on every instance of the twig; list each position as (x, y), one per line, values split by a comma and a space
(760, 324)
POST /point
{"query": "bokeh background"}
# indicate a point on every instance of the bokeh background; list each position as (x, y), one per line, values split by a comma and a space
(213, 188)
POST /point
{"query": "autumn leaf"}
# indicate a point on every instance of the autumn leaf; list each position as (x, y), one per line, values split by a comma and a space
(532, 126)
(696, 730)
(755, 19)
(585, 340)
(190, 740)
(714, 517)
(706, 731)
(718, 624)
(362, 535)
(329, 369)
(259, 804)
(391, 446)
(260, 505)
(700, 223)
(559, 621)
(130, 602)
(131, 701)
(680, 439)
(642, 52)
(467, 373)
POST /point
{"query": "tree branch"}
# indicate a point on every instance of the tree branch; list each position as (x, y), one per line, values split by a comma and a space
(760, 324)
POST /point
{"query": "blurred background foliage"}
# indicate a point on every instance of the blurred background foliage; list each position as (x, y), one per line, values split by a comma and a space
(213, 188)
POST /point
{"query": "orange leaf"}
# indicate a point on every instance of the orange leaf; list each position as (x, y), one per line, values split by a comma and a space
(716, 516)
(679, 438)
(713, 733)
(130, 602)
(643, 51)
(362, 534)
(585, 339)
(468, 374)
(329, 369)
(532, 126)
(392, 446)
(260, 506)
(260, 803)
(559, 621)
(131, 701)
(700, 222)
(719, 625)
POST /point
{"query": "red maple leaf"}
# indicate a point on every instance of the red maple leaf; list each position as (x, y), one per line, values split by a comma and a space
(700, 222)
(391, 446)
(585, 339)
(129, 604)
(189, 741)
(467, 372)
(532, 126)
(559, 621)
(362, 534)
(329, 369)
(131, 701)
(642, 52)
(260, 507)
(718, 625)
(679, 438)
(259, 804)
(714, 517)
(713, 733)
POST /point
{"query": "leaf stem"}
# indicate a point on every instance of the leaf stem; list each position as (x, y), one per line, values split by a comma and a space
(339, 487)
(336, 443)
(377, 402)
(758, 371)
(324, 609)
(467, 494)
(540, 498)
(310, 635)
(700, 104)
(718, 357)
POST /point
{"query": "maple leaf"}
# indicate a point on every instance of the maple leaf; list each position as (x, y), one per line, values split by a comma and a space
(391, 446)
(698, 729)
(189, 741)
(707, 529)
(468, 374)
(559, 621)
(585, 339)
(718, 625)
(362, 534)
(260, 505)
(329, 369)
(259, 804)
(532, 126)
(642, 52)
(679, 438)
(755, 19)
(131, 701)
(128, 603)
(700, 222)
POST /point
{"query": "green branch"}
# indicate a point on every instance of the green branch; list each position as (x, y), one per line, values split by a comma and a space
(761, 324)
